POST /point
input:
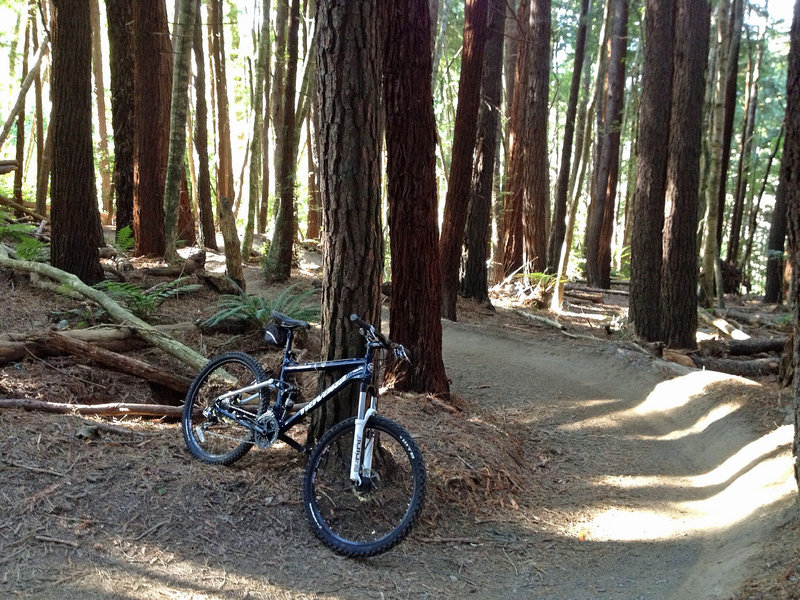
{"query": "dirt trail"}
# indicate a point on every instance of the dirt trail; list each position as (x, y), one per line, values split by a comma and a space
(636, 484)
(674, 492)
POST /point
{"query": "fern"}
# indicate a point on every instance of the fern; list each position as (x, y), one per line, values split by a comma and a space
(29, 248)
(258, 310)
(144, 302)
(124, 241)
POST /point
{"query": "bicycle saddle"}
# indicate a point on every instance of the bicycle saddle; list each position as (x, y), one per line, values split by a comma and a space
(287, 322)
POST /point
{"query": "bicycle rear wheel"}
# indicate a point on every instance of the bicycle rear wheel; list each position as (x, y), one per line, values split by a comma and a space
(370, 518)
(209, 435)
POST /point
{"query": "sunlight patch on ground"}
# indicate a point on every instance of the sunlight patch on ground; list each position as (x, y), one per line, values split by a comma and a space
(758, 475)
(704, 422)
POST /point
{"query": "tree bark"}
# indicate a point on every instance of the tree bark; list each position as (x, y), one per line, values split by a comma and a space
(279, 261)
(120, 36)
(74, 214)
(601, 214)
(152, 87)
(411, 173)
(651, 173)
(20, 149)
(679, 268)
(106, 196)
(120, 362)
(225, 187)
(474, 283)
(108, 409)
(458, 185)
(348, 87)
(204, 207)
(176, 172)
(233, 257)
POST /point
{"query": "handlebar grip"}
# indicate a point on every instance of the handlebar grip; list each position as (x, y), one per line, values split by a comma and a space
(370, 329)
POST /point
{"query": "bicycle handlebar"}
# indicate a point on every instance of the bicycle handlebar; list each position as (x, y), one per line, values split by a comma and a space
(372, 335)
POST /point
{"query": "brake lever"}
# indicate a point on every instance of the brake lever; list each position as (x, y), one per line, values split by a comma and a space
(400, 352)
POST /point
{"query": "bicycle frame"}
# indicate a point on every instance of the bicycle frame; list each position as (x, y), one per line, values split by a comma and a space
(361, 371)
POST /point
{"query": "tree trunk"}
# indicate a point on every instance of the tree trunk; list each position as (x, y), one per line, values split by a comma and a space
(679, 268)
(152, 87)
(458, 185)
(225, 188)
(536, 195)
(348, 85)
(558, 229)
(176, 173)
(278, 91)
(651, 173)
(279, 261)
(601, 220)
(119, 15)
(74, 214)
(20, 146)
(41, 198)
(204, 207)
(474, 283)
(515, 165)
(258, 132)
(411, 173)
(715, 181)
(103, 167)
(314, 207)
(233, 257)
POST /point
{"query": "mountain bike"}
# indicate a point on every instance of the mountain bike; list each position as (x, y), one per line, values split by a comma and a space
(364, 482)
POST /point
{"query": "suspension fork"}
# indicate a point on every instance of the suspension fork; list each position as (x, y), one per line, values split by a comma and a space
(362, 460)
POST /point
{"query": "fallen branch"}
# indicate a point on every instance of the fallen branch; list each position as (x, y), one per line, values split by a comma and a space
(10, 203)
(119, 362)
(742, 347)
(147, 331)
(722, 325)
(113, 408)
(539, 319)
(757, 367)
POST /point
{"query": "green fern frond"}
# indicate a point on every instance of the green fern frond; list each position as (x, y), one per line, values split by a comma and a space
(124, 239)
(258, 310)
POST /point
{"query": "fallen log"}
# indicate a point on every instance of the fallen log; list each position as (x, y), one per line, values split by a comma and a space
(16, 206)
(721, 324)
(119, 362)
(148, 332)
(758, 367)
(720, 348)
(113, 408)
(594, 298)
(115, 338)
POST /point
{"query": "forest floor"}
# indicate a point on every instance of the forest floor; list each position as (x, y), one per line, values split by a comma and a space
(562, 468)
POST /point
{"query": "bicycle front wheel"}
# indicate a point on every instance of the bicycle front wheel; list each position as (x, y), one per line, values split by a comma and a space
(211, 436)
(368, 518)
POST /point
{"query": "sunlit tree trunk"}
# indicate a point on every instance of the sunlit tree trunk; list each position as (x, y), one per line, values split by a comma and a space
(411, 173)
(458, 184)
(278, 91)
(601, 215)
(651, 173)
(679, 268)
(279, 261)
(176, 173)
(225, 186)
(100, 101)
(74, 214)
(348, 85)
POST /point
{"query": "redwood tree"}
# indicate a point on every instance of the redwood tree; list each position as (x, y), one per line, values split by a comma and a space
(120, 36)
(458, 186)
(348, 88)
(152, 95)
(651, 171)
(411, 172)
(73, 210)
(679, 269)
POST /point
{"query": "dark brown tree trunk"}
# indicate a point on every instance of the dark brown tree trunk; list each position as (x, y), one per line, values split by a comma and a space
(411, 172)
(314, 207)
(279, 261)
(225, 186)
(558, 228)
(152, 91)
(120, 36)
(205, 209)
(601, 220)
(474, 283)
(773, 287)
(20, 149)
(74, 214)
(278, 91)
(348, 88)
(679, 269)
(789, 188)
(41, 198)
(536, 196)
(458, 185)
(512, 218)
(651, 173)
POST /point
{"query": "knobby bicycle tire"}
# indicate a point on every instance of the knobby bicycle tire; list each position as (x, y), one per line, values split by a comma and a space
(346, 517)
(198, 430)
